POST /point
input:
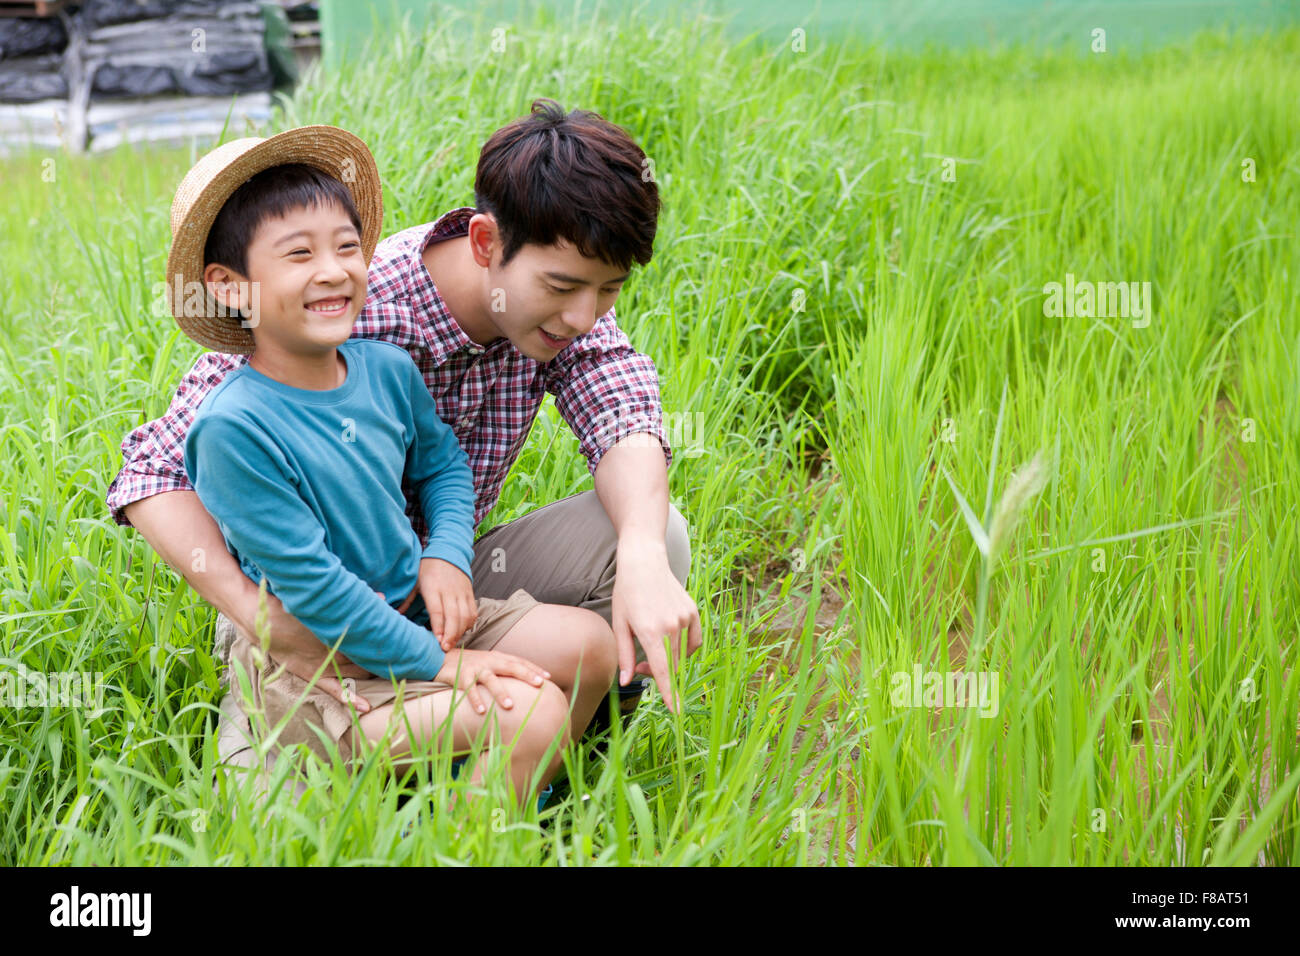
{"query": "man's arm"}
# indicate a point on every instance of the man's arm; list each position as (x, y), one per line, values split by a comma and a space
(153, 454)
(609, 394)
(183, 534)
(649, 602)
(180, 530)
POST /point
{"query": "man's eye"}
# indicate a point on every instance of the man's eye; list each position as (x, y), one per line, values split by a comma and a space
(559, 290)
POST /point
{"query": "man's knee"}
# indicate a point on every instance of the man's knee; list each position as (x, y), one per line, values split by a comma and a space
(222, 638)
(676, 535)
(233, 733)
(678, 542)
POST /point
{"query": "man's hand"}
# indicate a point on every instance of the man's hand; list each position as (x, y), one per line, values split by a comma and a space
(650, 603)
(465, 670)
(449, 598)
(302, 653)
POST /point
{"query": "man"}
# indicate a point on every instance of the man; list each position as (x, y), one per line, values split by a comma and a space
(496, 305)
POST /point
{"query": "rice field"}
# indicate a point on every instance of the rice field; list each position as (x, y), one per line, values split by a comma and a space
(990, 571)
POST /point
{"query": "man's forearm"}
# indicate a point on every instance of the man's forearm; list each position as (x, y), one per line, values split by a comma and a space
(181, 531)
(187, 537)
(649, 603)
(632, 484)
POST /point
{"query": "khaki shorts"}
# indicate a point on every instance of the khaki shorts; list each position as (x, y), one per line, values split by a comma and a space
(309, 710)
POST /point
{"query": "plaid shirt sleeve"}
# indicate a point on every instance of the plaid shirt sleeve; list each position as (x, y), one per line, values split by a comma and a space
(606, 390)
(153, 455)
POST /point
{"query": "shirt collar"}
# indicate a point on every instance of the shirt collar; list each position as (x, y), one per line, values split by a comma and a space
(443, 334)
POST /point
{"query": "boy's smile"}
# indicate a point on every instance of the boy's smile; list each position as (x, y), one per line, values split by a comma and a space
(310, 274)
(331, 306)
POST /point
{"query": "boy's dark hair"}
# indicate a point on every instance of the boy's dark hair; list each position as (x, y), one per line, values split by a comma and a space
(268, 195)
(551, 176)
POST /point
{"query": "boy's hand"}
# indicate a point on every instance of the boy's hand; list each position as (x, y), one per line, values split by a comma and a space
(449, 597)
(465, 670)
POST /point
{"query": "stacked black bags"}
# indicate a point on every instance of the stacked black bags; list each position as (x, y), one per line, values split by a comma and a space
(174, 47)
(31, 59)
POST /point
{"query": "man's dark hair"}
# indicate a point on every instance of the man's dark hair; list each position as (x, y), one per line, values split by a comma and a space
(272, 193)
(577, 177)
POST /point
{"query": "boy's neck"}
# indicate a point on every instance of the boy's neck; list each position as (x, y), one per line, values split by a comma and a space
(313, 374)
(459, 279)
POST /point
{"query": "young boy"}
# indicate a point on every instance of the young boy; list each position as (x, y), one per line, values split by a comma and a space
(301, 456)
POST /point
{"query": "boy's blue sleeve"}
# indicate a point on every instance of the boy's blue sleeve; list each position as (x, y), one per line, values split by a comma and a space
(438, 467)
(240, 476)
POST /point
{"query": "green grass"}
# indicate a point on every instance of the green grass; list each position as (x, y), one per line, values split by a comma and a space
(844, 321)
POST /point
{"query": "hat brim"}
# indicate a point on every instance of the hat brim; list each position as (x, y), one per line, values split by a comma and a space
(328, 148)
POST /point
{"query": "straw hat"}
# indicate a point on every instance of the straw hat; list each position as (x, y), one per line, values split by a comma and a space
(213, 180)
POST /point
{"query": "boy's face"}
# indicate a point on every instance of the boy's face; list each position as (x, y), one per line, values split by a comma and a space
(545, 295)
(310, 277)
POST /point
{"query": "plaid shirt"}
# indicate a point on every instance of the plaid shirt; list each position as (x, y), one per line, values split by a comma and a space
(488, 395)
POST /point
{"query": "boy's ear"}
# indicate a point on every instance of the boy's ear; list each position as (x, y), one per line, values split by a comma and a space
(227, 286)
(484, 238)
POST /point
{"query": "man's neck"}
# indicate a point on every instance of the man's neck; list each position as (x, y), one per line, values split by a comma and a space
(458, 279)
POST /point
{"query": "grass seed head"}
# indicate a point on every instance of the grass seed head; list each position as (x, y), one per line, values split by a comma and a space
(1026, 482)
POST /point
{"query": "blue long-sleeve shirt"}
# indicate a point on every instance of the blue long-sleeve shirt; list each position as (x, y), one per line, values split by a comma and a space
(306, 487)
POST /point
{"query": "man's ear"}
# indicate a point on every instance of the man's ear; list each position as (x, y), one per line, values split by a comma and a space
(227, 286)
(484, 238)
